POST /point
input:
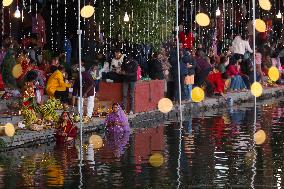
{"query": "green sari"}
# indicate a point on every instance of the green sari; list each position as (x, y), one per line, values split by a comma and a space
(8, 63)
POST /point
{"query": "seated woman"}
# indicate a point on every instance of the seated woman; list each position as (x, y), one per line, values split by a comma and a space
(56, 86)
(233, 71)
(117, 119)
(66, 130)
(216, 79)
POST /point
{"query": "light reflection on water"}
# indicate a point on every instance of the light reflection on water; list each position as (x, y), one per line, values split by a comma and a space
(217, 151)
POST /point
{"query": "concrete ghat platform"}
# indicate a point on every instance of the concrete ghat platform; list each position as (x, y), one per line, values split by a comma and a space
(141, 120)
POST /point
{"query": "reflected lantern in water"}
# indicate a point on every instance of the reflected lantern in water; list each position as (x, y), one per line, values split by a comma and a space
(96, 141)
(259, 137)
(165, 105)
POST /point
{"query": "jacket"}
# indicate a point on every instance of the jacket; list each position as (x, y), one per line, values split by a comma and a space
(56, 83)
(130, 70)
(88, 85)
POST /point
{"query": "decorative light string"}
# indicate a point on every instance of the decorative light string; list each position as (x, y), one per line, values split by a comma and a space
(10, 23)
(3, 23)
(51, 26)
(57, 25)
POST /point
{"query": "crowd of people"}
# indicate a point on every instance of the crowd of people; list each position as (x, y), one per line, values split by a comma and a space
(231, 70)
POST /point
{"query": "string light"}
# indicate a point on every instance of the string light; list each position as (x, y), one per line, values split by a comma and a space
(51, 25)
(218, 12)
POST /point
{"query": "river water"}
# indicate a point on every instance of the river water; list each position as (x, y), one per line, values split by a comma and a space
(210, 150)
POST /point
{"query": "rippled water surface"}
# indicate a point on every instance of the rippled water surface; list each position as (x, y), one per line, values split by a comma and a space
(216, 150)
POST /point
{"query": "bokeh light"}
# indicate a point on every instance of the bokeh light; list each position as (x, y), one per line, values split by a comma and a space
(265, 4)
(256, 89)
(17, 71)
(165, 105)
(260, 25)
(7, 3)
(202, 19)
(156, 160)
(197, 94)
(87, 11)
(259, 137)
(9, 129)
(96, 141)
(273, 73)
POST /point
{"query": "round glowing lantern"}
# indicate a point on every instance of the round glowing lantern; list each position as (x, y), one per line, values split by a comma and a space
(265, 4)
(273, 73)
(87, 11)
(259, 137)
(156, 160)
(260, 25)
(202, 19)
(197, 94)
(96, 141)
(7, 3)
(165, 105)
(256, 89)
(17, 71)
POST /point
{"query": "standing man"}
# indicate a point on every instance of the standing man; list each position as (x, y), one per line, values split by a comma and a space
(129, 74)
(88, 93)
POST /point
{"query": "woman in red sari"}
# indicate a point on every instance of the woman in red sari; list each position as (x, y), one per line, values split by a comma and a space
(216, 79)
(66, 131)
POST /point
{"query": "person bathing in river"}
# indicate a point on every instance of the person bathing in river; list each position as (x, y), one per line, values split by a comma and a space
(66, 130)
(117, 119)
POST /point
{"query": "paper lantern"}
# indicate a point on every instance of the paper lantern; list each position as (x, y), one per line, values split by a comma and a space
(156, 160)
(260, 25)
(9, 129)
(7, 3)
(87, 11)
(265, 4)
(202, 19)
(17, 71)
(256, 89)
(96, 141)
(165, 105)
(197, 94)
(259, 137)
(273, 73)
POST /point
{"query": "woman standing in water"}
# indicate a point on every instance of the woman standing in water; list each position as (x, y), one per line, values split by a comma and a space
(67, 130)
(117, 119)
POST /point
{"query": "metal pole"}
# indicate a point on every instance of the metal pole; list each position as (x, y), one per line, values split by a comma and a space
(253, 15)
(178, 60)
(79, 32)
(179, 88)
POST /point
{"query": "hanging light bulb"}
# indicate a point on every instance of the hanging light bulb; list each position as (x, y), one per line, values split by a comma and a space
(17, 13)
(218, 12)
(126, 17)
(279, 15)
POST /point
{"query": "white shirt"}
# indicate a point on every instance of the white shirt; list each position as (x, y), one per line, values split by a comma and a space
(240, 46)
(116, 63)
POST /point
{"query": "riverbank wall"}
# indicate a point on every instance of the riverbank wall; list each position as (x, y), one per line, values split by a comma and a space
(142, 120)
